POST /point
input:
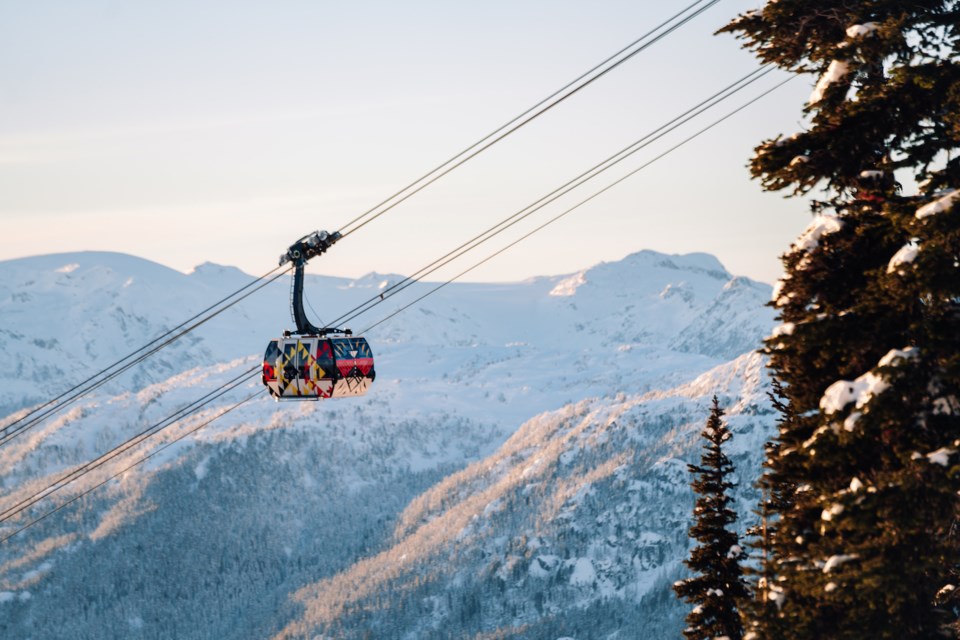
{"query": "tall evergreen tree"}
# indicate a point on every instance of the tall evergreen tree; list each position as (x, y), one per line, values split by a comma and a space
(717, 585)
(762, 612)
(869, 349)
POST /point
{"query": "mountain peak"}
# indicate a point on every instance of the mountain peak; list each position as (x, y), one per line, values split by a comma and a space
(82, 260)
(697, 261)
(649, 272)
(213, 268)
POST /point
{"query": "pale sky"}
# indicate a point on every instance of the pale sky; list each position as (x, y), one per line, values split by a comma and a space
(222, 131)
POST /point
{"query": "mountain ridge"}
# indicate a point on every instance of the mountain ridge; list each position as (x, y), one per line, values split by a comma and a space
(305, 496)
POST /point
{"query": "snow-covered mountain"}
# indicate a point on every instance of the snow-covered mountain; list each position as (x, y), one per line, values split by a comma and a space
(517, 468)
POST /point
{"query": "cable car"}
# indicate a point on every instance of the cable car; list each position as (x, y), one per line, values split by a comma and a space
(313, 363)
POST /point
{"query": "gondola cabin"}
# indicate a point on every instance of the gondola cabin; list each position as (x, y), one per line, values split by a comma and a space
(315, 362)
(308, 367)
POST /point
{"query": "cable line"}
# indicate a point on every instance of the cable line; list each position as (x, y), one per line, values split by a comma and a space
(31, 418)
(582, 202)
(594, 171)
(16, 427)
(241, 378)
(527, 116)
(19, 430)
(127, 468)
(559, 192)
(80, 471)
(621, 155)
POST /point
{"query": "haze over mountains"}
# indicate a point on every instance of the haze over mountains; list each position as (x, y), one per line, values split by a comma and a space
(518, 467)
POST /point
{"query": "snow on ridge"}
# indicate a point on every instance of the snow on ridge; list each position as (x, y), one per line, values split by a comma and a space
(733, 322)
(216, 269)
(743, 378)
(648, 259)
(72, 262)
(569, 286)
(372, 280)
(650, 272)
(738, 283)
(696, 261)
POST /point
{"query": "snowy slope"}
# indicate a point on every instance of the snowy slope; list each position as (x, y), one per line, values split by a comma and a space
(582, 506)
(274, 500)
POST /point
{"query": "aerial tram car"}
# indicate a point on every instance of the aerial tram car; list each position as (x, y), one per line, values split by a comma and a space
(313, 363)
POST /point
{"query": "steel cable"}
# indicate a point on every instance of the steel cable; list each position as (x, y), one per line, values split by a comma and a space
(557, 193)
(82, 470)
(526, 117)
(133, 353)
(238, 380)
(127, 468)
(99, 383)
(18, 426)
(579, 204)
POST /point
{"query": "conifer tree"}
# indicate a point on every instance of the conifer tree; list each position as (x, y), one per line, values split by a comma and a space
(762, 612)
(717, 585)
(869, 349)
